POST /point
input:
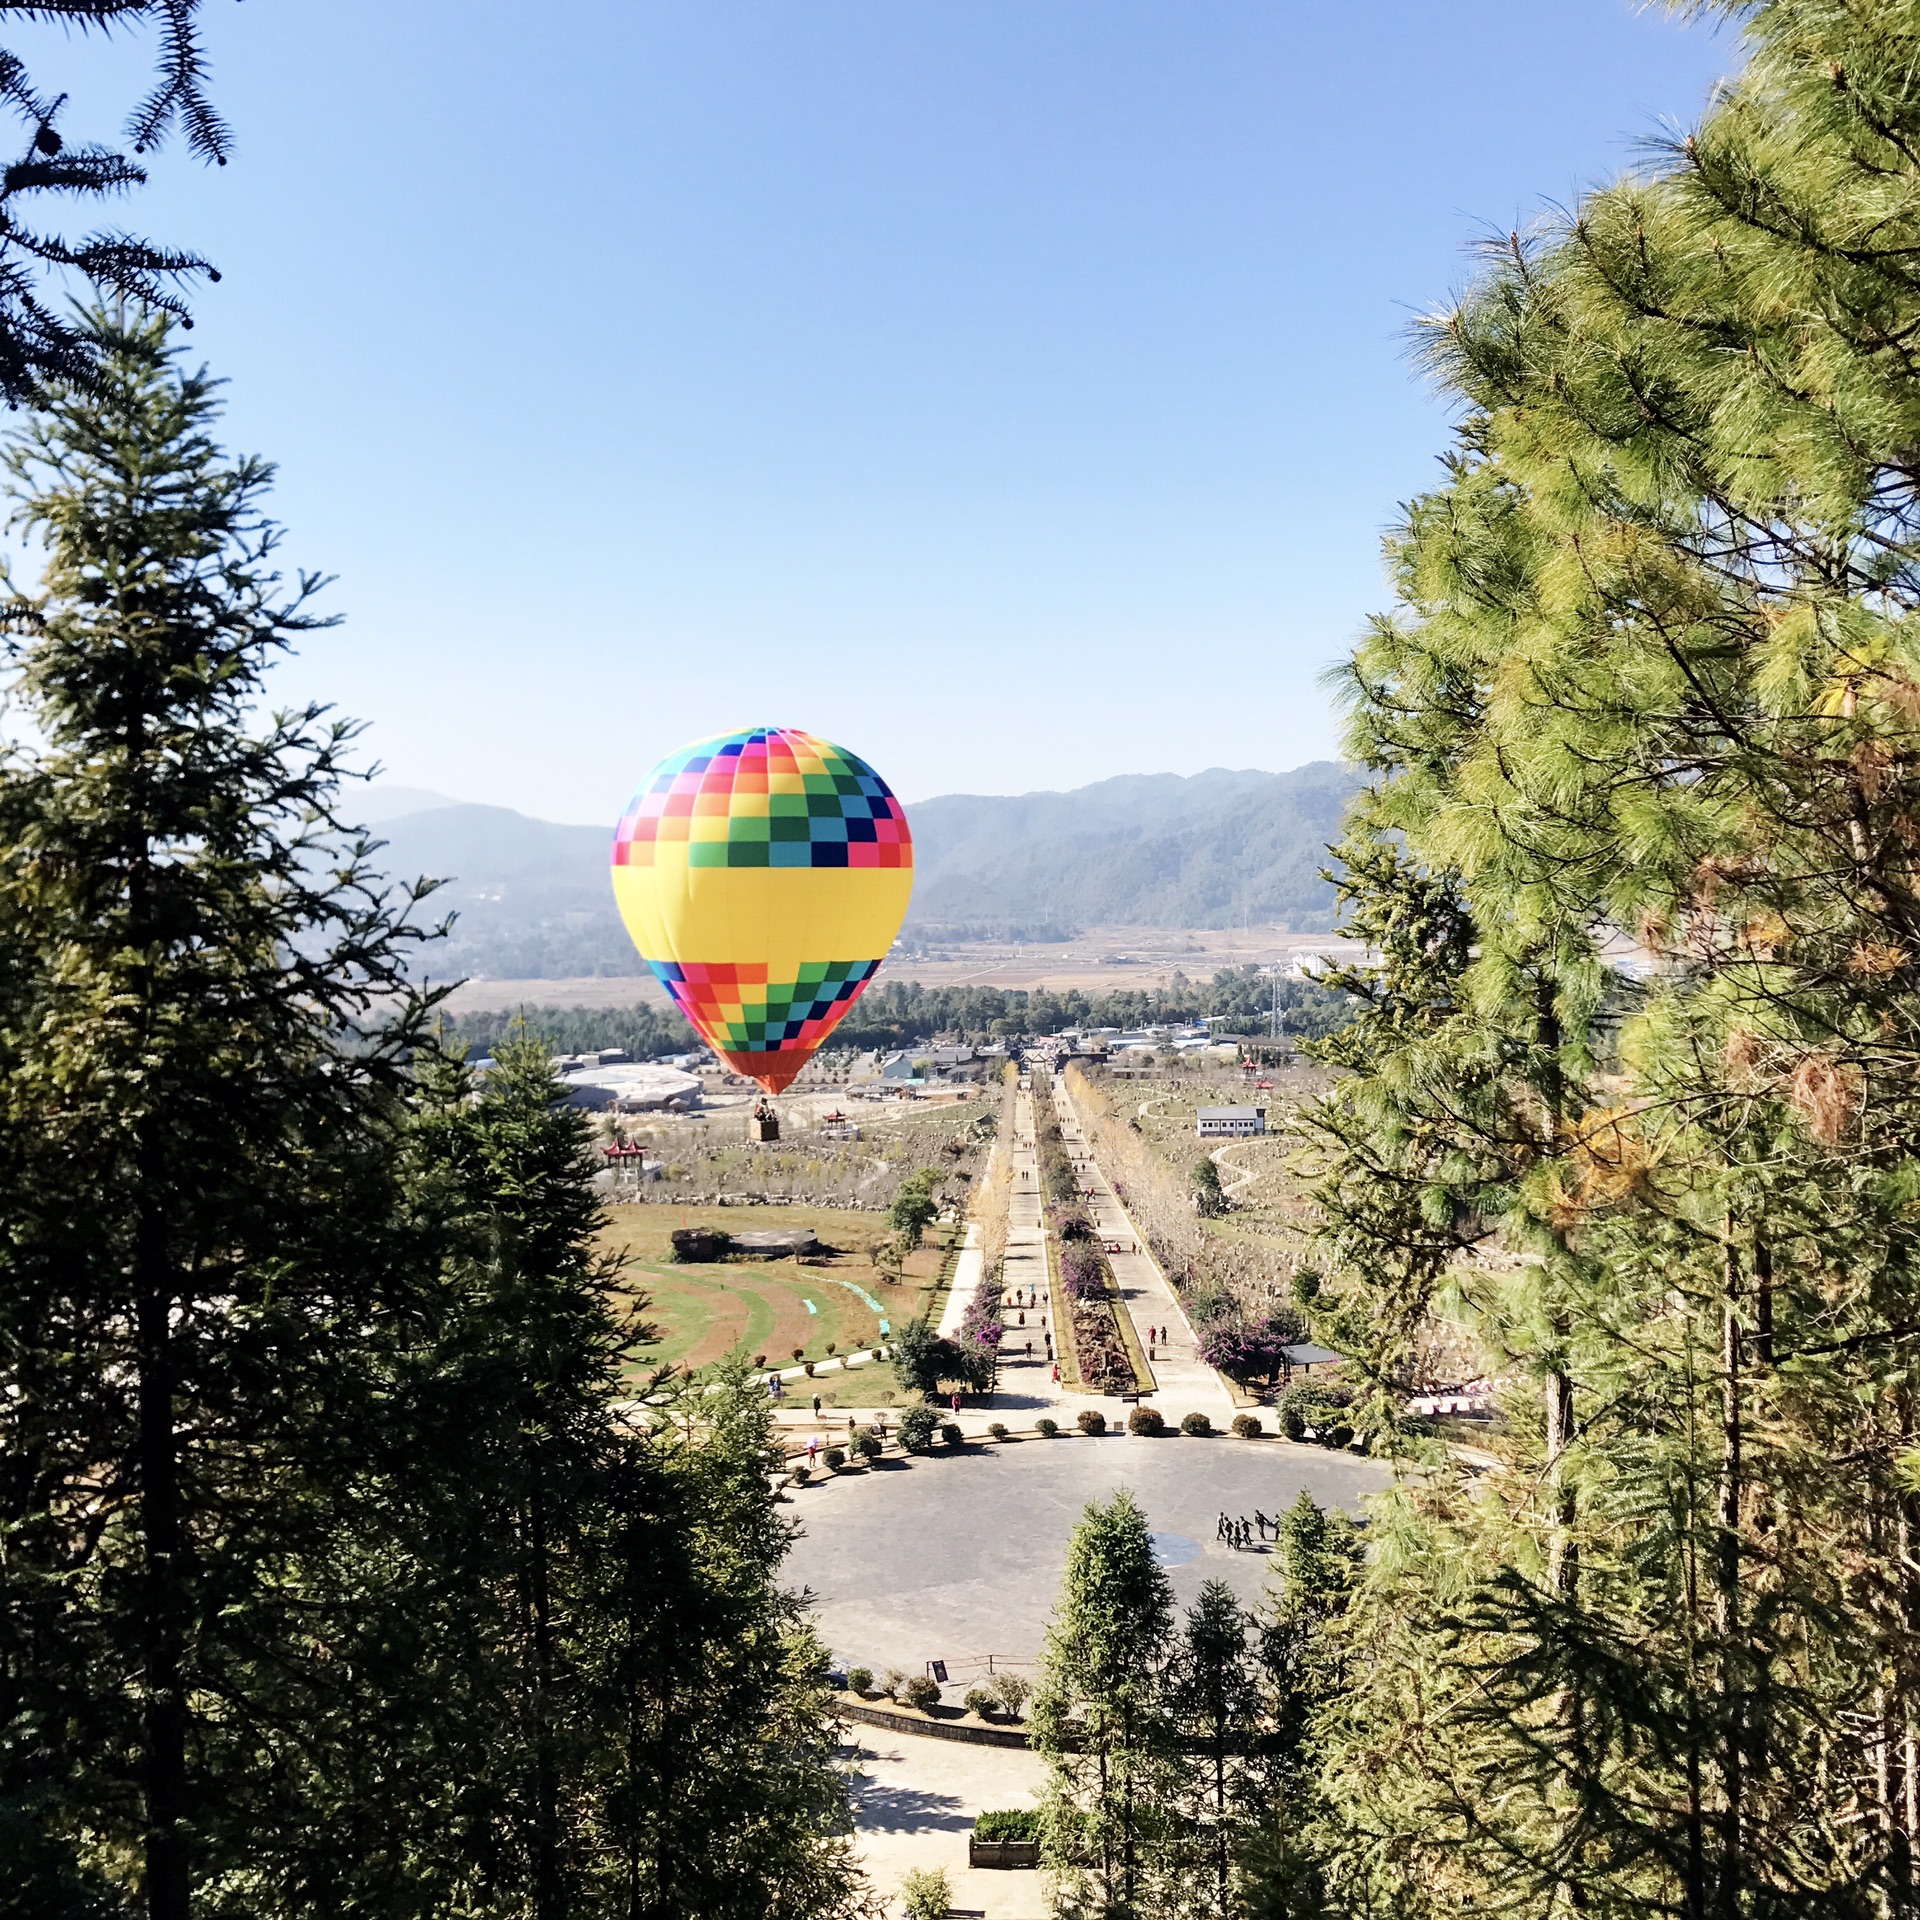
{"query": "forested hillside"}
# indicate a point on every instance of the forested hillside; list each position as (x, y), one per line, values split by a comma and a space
(1217, 849)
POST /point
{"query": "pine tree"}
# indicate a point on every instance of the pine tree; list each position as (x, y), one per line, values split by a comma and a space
(1214, 1704)
(610, 1705)
(1651, 682)
(1099, 1717)
(204, 1020)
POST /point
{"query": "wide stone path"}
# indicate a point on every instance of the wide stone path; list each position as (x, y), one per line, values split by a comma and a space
(1183, 1382)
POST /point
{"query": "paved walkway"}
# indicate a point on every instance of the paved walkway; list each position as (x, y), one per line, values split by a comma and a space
(915, 1802)
(955, 1557)
(1183, 1382)
(968, 1271)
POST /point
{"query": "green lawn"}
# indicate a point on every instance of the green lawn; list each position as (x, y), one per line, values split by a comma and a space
(706, 1311)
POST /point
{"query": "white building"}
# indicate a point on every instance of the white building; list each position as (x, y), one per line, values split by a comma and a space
(1231, 1123)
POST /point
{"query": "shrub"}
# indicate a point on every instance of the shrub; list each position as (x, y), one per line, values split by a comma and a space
(952, 1435)
(800, 1476)
(696, 1245)
(799, 1353)
(980, 1702)
(759, 1359)
(1092, 1421)
(926, 1894)
(859, 1679)
(1070, 1222)
(894, 1684)
(1011, 1690)
(808, 1364)
(1022, 1823)
(997, 1428)
(836, 1458)
(1047, 1428)
(830, 1346)
(866, 1443)
(1247, 1425)
(1196, 1424)
(921, 1692)
(1315, 1400)
(1147, 1420)
(1083, 1273)
(916, 1429)
(1339, 1435)
(1292, 1424)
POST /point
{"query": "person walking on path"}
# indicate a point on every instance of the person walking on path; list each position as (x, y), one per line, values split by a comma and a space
(813, 1447)
(816, 1406)
(954, 1402)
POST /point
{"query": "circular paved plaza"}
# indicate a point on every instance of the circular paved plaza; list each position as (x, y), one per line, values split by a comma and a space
(954, 1558)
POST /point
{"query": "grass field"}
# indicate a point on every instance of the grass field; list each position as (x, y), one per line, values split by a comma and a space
(772, 1307)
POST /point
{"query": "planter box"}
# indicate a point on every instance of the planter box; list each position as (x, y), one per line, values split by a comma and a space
(1002, 1853)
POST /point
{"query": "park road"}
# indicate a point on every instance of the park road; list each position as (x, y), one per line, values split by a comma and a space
(1183, 1382)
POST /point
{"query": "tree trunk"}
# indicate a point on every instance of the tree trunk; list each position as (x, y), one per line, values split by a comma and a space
(168, 1874)
(164, 1730)
(1562, 1555)
(1727, 1597)
(548, 1894)
(1220, 1823)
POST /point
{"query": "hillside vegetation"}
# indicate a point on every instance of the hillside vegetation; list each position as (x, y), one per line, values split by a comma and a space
(533, 902)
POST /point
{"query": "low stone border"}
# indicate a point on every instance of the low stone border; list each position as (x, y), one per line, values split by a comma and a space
(975, 1734)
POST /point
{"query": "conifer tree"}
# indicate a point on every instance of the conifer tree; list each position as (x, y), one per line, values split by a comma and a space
(351, 1561)
(611, 1706)
(1214, 1702)
(1099, 1718)
(204, 1019)
(1651, 686)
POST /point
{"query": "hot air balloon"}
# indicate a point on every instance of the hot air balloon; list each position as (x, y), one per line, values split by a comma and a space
(763, 876)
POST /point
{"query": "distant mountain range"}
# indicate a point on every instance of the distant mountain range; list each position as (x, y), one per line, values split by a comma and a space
(1216, 849)
(1144, 850)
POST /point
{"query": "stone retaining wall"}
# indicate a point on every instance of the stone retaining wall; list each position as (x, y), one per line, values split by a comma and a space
(971, 1732)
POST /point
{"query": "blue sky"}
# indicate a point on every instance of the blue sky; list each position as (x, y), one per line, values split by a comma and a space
(1011, 390)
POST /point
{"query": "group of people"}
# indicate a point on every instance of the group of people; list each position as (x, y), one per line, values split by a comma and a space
(1238, 1532)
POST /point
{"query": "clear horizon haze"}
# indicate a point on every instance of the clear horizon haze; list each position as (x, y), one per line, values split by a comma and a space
(1013, 393)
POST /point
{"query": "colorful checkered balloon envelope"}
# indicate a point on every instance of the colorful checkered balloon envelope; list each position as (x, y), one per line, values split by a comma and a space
(763, 876)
